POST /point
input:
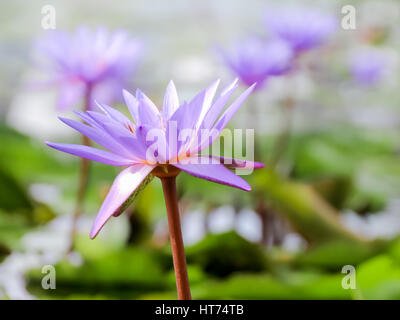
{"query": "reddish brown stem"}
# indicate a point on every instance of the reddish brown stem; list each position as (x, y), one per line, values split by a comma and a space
(175, 234)
(83, 176)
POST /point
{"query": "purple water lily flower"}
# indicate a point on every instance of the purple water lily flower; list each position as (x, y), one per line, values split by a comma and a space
(367, 66)
(303, 28)
(178, 129)
(97, 59)
(255, 60)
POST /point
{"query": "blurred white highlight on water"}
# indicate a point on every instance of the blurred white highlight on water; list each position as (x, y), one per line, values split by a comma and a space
(193, 227)
(293, 242)
(222, 219)
(34, 114)
(385, 224)
(193, 69)
(45, 246)
(46, 193)
(248, 225)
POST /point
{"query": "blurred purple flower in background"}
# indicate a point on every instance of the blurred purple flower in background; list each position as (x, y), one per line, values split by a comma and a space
(253, 60)
(367, 66)
(98, 62)
(128, 142)
(303, 28)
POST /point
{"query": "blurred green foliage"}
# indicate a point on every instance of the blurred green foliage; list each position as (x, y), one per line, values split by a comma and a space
(362, 163)
(248, 272)
(19, 213)
(327, 167)
(308, 213)
(225, 253)
(327, 175)
(331, 170)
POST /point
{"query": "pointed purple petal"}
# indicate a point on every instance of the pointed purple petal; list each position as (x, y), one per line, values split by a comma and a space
(215, 173)
(125, 183)
(99, 136)
(100, 118)
(211, 116)
(132, 104)
(114, 114)
(141, 97)
(106, 123)
(147, 116)
(238, 163)
(233, 108)
(184, 120)
(91, 154)
(222, 121)
(189, 117)
(219, 104)
(139, 143)
(171, 101)
(86, 118)
(208, 98)
(131, 142)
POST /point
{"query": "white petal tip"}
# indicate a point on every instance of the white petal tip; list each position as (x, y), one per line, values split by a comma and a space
(126, 92)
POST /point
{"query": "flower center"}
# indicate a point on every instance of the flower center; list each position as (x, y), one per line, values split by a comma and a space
(129, 127)
(165, 171)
